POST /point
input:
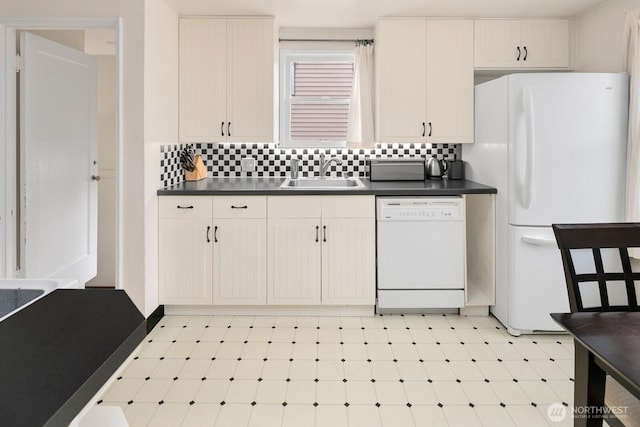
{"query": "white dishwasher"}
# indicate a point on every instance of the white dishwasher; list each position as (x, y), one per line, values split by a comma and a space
(421, 252)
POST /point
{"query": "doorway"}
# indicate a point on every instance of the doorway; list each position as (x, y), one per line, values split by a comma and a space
(100, 40)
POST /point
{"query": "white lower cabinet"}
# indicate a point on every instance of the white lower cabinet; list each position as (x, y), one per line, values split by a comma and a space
(185, 248)
(294, 261)
(239, 262)
(321, 250)
(239, 250)
(257, 250)
(348, 261)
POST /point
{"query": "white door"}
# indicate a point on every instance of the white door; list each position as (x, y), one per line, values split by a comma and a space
(293, 254)
(58, 149)
(240, 261)
(536, 279)
(203, 80)
(402, 80)
(184, 260)
(449, 81)
(250, 80)
(567, 147)
(496, 43)
(546, 42)
(348, 261)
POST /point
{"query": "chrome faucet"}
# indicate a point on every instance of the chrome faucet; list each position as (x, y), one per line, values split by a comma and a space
(324, 164)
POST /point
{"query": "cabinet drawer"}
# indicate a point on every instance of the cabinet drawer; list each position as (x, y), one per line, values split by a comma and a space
(348, 207)
(295, 207)
(184, 207)
(240, 207)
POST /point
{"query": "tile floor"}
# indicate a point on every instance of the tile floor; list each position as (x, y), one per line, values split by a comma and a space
(391, 370)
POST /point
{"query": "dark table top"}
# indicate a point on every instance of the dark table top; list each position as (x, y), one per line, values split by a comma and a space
(613, 337)
(271, 186)
(56, 353)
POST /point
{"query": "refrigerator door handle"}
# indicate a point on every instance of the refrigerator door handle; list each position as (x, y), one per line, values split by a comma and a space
(539, 241)
(527, 107)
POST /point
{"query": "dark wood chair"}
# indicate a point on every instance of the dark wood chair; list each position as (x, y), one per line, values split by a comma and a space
(596, 238)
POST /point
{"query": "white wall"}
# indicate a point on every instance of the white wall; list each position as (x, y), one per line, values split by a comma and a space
(132, 268)
(600, 39)
(160, 122)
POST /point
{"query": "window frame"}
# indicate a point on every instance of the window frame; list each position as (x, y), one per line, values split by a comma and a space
(287, 58)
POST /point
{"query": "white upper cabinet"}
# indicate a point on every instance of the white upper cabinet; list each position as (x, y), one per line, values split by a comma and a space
(449, 81)
(425, 80)
(509, 43)
(226, 79)
(401, 47)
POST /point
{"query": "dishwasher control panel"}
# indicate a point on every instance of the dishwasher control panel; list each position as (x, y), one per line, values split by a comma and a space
(420, 209)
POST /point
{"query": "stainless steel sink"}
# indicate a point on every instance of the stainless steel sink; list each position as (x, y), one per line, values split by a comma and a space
(349, 183)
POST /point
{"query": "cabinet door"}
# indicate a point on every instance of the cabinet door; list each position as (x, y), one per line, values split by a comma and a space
(294, 261)
(348, 261)
(546, 43)
(402, 81)
(184, 261)
(239, 261)
(496, 43)
(203, 81)
(449, 81)
(250, 80)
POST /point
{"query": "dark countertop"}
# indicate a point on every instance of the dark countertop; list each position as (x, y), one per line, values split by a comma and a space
(59, 351)
(271, 186)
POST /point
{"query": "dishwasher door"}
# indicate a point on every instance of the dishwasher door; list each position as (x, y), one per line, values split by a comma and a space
(421, 252)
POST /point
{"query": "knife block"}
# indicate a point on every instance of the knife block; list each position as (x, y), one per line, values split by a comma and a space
(200, 172)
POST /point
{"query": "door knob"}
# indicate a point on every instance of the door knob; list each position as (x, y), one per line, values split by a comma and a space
(95, 177)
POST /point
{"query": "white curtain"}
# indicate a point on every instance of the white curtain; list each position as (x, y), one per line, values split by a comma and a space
(632, 63)
(360, 132)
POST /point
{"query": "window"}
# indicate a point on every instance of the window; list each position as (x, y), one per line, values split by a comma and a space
(314, 101)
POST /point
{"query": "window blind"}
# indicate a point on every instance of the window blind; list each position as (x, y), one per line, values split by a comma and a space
(320, 95)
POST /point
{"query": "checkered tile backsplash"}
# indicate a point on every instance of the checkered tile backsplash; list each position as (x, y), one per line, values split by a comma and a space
(223, 160)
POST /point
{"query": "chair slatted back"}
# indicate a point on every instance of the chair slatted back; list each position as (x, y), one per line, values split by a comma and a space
(596, 237)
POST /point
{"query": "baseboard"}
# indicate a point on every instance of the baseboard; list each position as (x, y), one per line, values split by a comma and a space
(154, 318)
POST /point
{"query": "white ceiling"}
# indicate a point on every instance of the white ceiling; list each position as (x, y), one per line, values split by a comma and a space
(364, 13)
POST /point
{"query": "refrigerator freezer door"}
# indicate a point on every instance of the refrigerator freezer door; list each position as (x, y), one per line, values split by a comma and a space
(567, 139)
(537, 285)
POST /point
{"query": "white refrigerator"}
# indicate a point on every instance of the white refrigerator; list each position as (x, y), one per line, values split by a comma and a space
(554, 145)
